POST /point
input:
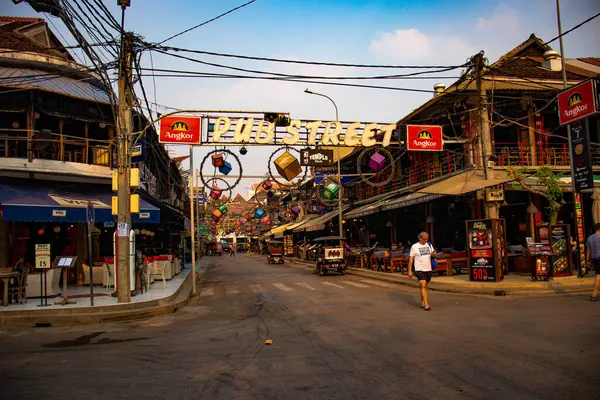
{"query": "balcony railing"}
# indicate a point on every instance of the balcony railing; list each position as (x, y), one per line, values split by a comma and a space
(419, 172)
(50, 146)
(520, 155)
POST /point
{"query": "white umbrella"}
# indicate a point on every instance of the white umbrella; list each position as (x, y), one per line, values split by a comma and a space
(596, 206)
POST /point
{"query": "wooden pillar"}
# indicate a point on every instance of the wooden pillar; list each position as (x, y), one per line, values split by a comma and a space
(86, 129)
(61, 139)
(30, 127)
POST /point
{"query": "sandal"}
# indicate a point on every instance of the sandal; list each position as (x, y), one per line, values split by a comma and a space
(594, 298)
(427, 308)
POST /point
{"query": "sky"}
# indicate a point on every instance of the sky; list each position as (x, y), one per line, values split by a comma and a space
(390, 32)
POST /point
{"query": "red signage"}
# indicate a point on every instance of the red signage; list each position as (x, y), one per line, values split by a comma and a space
(424, 138)
(179, 130)
(577, 102)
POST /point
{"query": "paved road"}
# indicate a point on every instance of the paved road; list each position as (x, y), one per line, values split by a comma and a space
(334, 337)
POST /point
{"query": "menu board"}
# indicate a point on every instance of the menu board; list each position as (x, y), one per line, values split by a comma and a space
(561, 250)
(481, 251)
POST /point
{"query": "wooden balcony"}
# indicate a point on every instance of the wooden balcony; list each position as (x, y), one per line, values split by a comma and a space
(50, 146)
(418, 172)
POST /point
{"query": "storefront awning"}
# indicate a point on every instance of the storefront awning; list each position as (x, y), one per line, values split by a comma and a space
(368, 209)
(50, 202)
(409, 200)
(466, 182)
(300, 226)
(318, 224)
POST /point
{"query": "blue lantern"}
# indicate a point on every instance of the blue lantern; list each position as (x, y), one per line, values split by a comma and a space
(225, 169)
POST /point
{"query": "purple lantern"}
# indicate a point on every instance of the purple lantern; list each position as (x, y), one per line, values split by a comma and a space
(296, 210)
(376, 162)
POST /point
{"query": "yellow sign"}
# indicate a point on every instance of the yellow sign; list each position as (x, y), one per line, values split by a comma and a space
(42, 256)
(265, 133)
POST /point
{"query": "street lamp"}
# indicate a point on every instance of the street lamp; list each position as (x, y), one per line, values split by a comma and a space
(339, 171)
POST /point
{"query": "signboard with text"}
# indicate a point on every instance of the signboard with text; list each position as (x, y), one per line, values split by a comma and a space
(42, 256)
(581, 157)
(486, 249)
(424, 138)
(577, 102)
(179, 130)
(315, 158)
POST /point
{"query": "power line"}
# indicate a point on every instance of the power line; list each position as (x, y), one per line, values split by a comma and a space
(307, 76)
(206, 22)
(323, 63)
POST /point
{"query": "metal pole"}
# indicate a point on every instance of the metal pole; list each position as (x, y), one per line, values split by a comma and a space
(198, 215)
(339, 169)
(192, 228)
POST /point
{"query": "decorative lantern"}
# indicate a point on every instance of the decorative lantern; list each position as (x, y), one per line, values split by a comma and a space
(223, 209)
(376, 162)
(225, 169)
(288, 166)
(331, 191)
(215, 192)
(217, 214)
(243, 221)
(217, 160)
(270, 193)
(267, 185)
(249, 229)
(265, 219)
(296, 210)
(258, 214)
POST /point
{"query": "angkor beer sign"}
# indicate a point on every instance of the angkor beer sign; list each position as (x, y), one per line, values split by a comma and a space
(225, 131)
(577, 102)
(424, 138)
(180, 130)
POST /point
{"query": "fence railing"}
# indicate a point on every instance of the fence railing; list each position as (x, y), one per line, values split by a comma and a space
(419, 172)
(552, 154)
(50, 146)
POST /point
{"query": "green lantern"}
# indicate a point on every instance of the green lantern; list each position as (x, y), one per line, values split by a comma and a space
(223, 209)
(331, 191)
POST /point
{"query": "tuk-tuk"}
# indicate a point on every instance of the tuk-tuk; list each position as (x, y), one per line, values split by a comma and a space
(275, 252)
(330, 255)
(214, 248)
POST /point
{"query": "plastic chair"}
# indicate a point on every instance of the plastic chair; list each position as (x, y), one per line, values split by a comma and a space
(110, 279)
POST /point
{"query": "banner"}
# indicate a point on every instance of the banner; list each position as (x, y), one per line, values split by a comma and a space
(424, 138)
(581, 157)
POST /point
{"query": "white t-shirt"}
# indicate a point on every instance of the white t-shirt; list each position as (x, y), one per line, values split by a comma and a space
(422, 255)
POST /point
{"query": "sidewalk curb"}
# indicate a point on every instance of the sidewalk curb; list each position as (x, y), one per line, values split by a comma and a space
(504, 290)
(94, 315)
(520, 289)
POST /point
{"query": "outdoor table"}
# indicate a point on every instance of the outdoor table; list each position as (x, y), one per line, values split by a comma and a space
(5, 275)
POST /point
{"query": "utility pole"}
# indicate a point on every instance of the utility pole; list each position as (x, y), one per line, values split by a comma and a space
(124, 167)
(192, 227)
(485, 140)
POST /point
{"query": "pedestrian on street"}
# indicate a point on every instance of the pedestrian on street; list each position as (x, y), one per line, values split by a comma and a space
(233, 249)
(593, 258)
(420, 256)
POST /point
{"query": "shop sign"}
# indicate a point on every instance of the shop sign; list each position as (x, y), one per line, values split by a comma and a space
(481, 251)
(577, 102)
(424, 138)
(314, 158)
(495, 194)
(179, 130)
(144, 215)
(581, 157)
(320, 133)
(580, 233)
(59, 213)
(42, 256)
(71, 202)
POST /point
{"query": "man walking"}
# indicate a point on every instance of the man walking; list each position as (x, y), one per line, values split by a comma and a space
(593, 258)
(420, 256)
(233, 249)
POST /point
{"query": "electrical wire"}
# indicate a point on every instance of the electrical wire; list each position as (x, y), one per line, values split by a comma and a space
(207, 22)
(321, 63)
